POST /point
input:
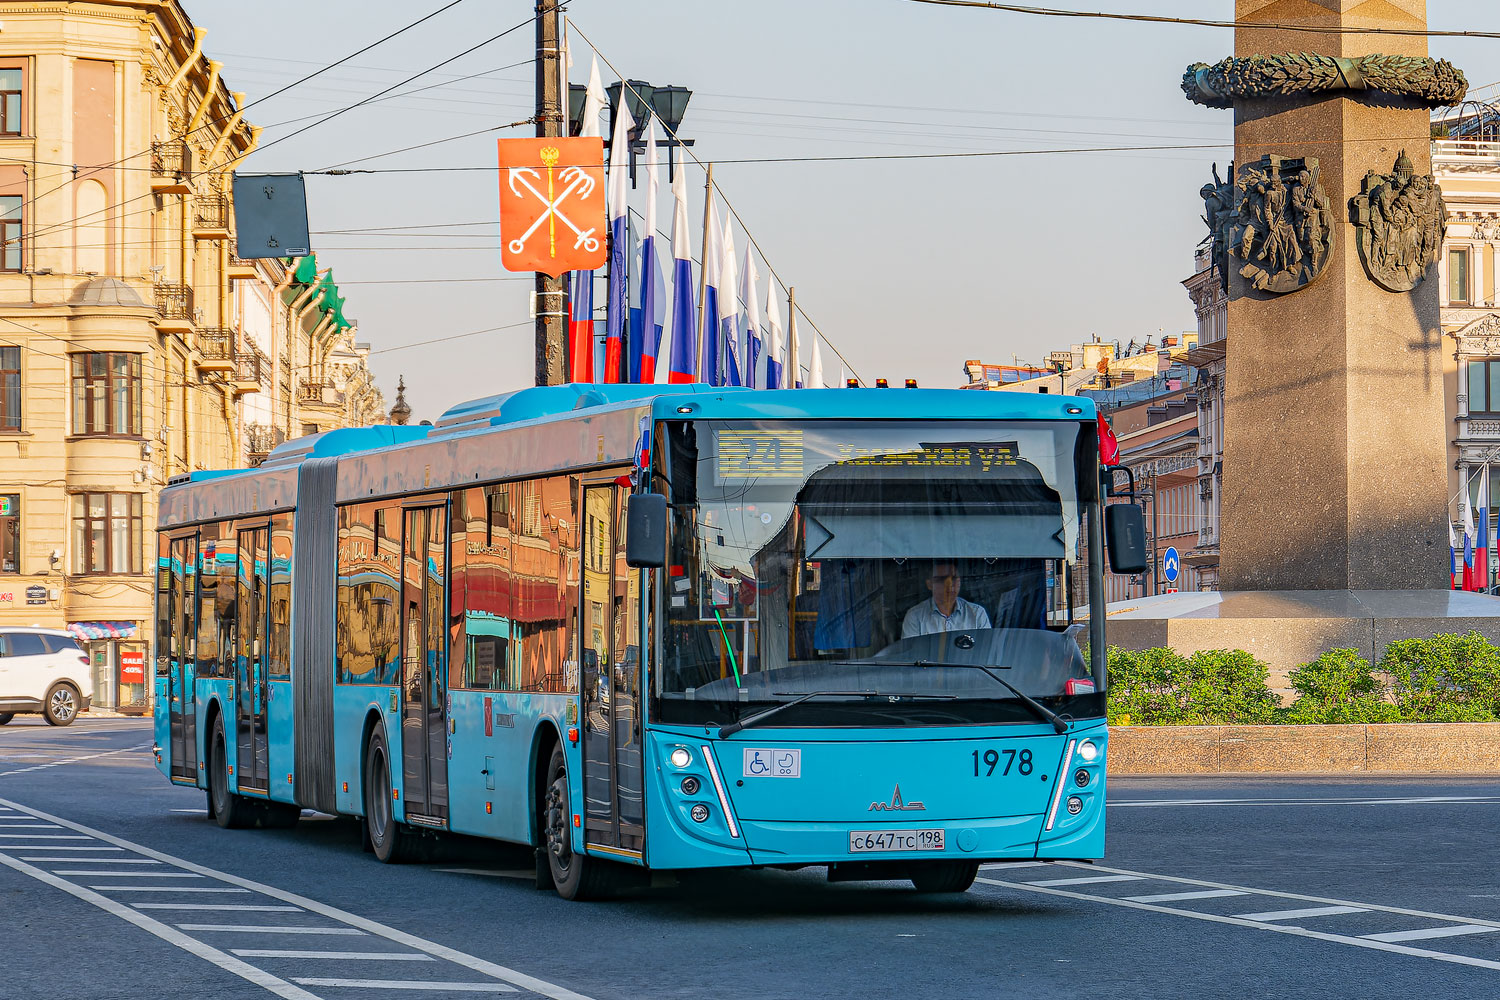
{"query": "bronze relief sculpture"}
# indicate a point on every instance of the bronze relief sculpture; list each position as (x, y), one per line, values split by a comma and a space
(1274, 219)
(1400, 221)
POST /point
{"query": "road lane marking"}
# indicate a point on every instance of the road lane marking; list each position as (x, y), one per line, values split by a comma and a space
(1090, 880)
(346, 956)
(1427, 933)
(39, 836)
(272, 929)
(218, 906)
(1331, 801)
(98, 861)
(75, 760)
(1394, 947)
(402, 984)
(57, 847)
(1177, 897)
(227, 962)
(96, 873)
(439, 951)
(1310, 911)
(29, 826)
(159, 888)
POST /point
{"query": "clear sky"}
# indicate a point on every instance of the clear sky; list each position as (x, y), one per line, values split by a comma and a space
(909, 266)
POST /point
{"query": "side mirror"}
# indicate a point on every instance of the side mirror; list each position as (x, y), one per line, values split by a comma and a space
(645, 530)
(1125, 537)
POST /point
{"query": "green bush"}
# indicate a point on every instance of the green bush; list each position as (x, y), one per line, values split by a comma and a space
(1339, 686)
(1448, 678)
(1160, 687)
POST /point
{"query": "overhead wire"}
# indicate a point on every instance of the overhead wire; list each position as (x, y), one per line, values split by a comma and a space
(1330, 29)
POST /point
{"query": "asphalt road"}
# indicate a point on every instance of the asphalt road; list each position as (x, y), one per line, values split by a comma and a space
(114, 884)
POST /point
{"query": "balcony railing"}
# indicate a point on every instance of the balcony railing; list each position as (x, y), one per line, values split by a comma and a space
(211, 216)
(216, 344)
(321, 394)
(171, 159)
(251, 368)
(175, 303)
(259, 441)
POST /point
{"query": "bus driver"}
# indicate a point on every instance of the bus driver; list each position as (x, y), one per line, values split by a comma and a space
(946, 611)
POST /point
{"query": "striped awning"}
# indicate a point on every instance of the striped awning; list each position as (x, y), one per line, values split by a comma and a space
(102, 630)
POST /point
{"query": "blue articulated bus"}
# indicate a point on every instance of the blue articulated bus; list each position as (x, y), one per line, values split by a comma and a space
(658, 628)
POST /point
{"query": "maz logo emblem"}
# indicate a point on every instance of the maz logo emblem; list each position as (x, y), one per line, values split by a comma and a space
(897, 805)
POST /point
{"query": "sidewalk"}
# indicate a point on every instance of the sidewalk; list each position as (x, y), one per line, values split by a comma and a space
(1398, 748)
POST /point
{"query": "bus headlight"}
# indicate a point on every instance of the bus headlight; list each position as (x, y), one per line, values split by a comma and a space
(1088, 750)
(1075, 805)
(690, 785)
(681, 757)
(699, 813)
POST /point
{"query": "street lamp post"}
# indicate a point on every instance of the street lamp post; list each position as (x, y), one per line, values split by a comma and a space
(668, 104)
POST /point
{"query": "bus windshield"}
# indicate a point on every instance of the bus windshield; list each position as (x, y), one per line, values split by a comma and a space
(902, 573)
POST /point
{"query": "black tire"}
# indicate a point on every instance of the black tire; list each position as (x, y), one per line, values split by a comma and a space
(575, 876)
(944, 876)
(62, 704)
(6, 717)
(390, 841)
(230, 811)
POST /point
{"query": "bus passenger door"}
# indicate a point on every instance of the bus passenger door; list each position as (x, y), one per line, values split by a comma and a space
(251, 689)
(424, 719)
(182, 705)
(610, 623)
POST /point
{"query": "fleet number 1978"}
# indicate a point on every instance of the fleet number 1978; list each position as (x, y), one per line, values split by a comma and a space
(986, 763)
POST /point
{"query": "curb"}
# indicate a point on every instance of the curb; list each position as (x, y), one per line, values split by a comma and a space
(1387, 748)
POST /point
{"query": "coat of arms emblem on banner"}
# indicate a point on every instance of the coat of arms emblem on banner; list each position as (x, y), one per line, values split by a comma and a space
(552, 204)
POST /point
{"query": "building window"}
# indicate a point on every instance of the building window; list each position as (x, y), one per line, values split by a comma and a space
(107, 533)
(1458, 277)
(10, 389)
(10, 232)
(1484, 387)
(10, 533)
(10, 101)
(107, 394)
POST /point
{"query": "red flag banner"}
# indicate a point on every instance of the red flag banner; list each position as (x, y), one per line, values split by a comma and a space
(1109, 447)
(552, 204)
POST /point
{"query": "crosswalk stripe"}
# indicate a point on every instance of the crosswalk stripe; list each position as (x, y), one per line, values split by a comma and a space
(402, 984)
(1090, 880)
(1177, 897)
(265, 929)
(1427, 933)
(159, 888)
(349, 956)
(218, 906)
(1310, 911)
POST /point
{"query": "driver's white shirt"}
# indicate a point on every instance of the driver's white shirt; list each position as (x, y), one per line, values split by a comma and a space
(927, 619)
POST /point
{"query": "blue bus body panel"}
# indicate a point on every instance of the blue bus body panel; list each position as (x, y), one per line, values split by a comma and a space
(873, 780)
(160, 730)
(352, 704)
(279, 713)
(507, 752)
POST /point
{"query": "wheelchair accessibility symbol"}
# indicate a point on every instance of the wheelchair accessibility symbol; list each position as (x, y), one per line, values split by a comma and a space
(768, 762)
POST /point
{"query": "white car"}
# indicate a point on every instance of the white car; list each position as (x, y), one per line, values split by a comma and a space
(43, 670)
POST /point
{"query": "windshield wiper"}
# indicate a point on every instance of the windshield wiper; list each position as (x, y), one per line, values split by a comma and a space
(1038, 709)
(729, 729)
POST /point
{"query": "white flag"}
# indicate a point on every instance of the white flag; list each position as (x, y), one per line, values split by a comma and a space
(593, 105)
(815, 373)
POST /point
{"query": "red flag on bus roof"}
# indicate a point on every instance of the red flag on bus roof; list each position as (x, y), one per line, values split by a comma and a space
(1109, 446)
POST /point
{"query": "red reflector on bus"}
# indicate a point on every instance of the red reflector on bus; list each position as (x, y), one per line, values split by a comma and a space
(577, 820)
(1079, 685)
(488, 808)
(572, 734)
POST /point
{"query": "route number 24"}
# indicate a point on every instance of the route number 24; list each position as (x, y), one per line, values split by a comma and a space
(990, 759)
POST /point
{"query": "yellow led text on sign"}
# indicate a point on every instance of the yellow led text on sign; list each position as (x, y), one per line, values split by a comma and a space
(759, 454)
(979, 457)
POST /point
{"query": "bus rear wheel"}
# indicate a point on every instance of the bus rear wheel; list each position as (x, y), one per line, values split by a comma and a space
(944, 876)
(390, 841)
(229, 810)
(575, 876)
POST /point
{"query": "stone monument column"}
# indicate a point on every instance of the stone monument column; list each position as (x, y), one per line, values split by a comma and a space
(1334, 438)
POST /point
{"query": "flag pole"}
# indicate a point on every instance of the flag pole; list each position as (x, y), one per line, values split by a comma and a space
(551, 105)
(791, 333)
(708, 199)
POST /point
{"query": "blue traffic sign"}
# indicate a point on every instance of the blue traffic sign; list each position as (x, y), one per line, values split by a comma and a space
(1170, 563)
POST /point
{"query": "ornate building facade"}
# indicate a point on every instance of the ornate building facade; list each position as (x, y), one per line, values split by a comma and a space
(134, 346)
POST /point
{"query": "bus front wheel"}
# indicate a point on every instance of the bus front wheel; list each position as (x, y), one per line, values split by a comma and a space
(575, 876)
(390, 841)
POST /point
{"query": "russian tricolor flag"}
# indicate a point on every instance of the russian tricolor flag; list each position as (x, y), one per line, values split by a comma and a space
(1482, 538)
(729, 311)
(1468, 541)
(710, 360)
(653, 292)
(750, 279)
(774, 378)
(682, 365)
(618, 303)
(581, 283)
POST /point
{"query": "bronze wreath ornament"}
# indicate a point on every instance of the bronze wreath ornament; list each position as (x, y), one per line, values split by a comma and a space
(1435, 82)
